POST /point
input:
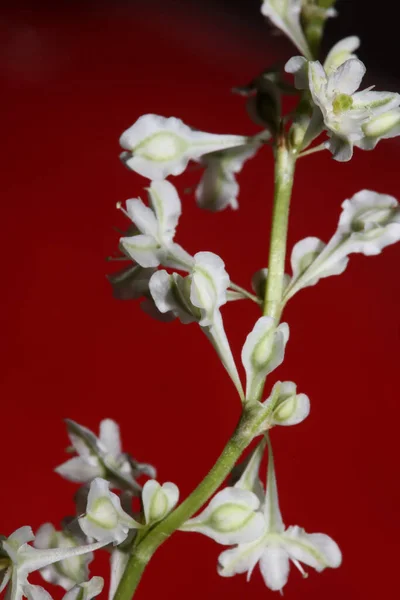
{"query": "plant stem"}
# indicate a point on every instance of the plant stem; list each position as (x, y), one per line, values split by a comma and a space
(240, 439)
(285, 160)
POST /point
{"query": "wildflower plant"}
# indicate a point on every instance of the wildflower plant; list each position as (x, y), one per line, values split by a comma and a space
(243, 515)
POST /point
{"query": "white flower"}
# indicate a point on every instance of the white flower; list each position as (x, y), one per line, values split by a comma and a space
(198, 298)
(263, 352)
(285, 15)
(218, 187)
(231, 517)
(23, 559)
(104, 518)
(368, 223)
(158, 500)
(276, 546)
(344, 111)
(70, 571)
(154, 244)
(82, 591)
(159, 146)
(101, 457)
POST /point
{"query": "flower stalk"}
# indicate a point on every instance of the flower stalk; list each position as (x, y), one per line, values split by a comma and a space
(285, 160)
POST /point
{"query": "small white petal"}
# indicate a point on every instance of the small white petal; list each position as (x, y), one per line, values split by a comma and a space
(110, 436)
(166, 204)
(341, 52)
(297, 66)
(144, 249)
(316, 550)
(274, 567)
(286, 16)
(209, 284)
(143, 217)
(272, 512)
(78, 470)
(36, 592)
(241, 559)
(230, 518)
(346, 79)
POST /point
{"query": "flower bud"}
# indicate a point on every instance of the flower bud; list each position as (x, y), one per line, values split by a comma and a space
(158, 500)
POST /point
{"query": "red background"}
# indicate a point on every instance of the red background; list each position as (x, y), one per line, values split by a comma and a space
(76, 76)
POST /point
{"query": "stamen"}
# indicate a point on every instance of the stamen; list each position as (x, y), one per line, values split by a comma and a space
(300, 568)
(120, 207)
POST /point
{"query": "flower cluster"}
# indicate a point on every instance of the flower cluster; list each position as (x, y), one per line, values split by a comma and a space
(249, 518)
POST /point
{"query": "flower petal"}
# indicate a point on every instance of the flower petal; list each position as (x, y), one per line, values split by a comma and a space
(36, 592)
(274, 567)
(145, 250)
(240, 559)
(340, 52)
(166, 204)
(286, 16)
(79, 470)
(231, 517)
(110, 437)
(263, 351)
(316, 549)
(143, 217)
(86, 590)
(209, 284)
(346, 79)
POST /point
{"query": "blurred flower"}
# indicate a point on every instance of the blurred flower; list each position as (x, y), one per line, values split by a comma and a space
(82, 591)
(101, 457)
(24, 559)
(218, 187)
(285, 15)
(158, 146)
(154, 244)
(70, 571)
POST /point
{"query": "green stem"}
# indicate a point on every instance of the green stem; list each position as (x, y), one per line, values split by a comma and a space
(240, 439)
(285, 160)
